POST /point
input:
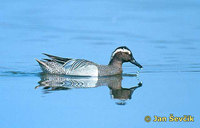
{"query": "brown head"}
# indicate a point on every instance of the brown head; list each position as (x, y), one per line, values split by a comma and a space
(122, 54)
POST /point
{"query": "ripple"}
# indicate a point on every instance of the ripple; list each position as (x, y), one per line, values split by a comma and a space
(18, 73)
(163, 68)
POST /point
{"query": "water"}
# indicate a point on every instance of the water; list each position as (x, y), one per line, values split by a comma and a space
(163, 36)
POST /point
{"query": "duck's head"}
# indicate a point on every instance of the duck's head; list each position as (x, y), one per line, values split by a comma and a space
(123, 54)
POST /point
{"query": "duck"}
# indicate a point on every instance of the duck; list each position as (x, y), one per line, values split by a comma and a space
(81, 67)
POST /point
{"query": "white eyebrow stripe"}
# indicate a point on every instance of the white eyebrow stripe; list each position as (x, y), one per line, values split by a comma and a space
(121, 50)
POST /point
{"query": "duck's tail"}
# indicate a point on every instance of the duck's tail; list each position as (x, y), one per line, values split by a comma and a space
(42, 64)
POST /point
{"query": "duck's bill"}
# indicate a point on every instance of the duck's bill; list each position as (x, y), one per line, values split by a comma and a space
(136, 63)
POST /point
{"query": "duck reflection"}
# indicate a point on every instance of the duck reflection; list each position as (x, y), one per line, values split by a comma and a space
(57, 82)
(122, 94)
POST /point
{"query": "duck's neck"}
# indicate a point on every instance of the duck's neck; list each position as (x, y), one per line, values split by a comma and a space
(116, 62)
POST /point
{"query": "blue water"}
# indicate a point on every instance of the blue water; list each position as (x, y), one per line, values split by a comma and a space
(163, 36)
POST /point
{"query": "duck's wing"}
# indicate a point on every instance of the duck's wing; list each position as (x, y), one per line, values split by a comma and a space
(57, 59)
(68, 62)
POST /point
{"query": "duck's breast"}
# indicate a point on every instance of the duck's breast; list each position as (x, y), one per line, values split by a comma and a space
(107, 70)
